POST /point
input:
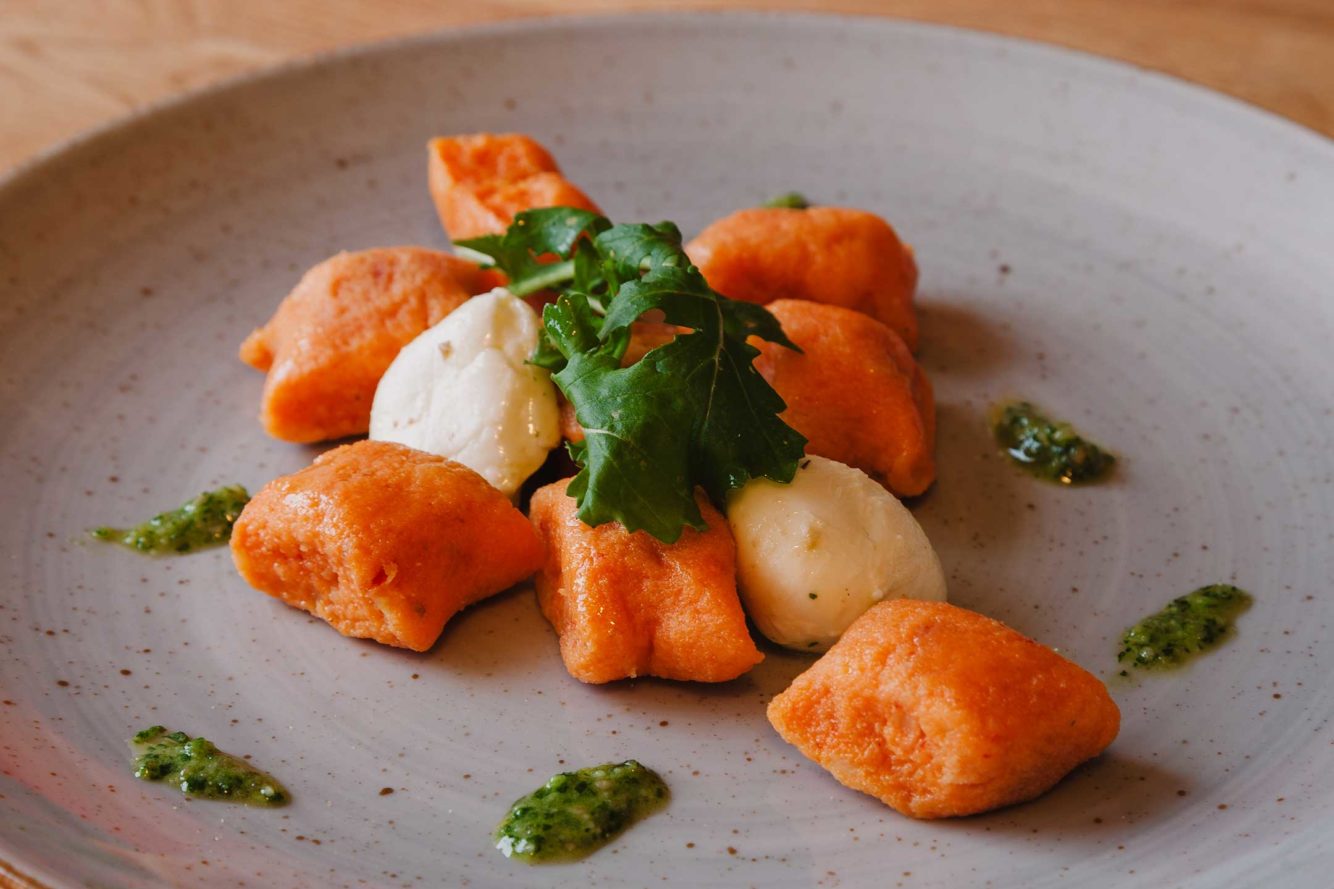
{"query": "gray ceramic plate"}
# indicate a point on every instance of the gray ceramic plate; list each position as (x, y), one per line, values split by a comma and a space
(1145, 258)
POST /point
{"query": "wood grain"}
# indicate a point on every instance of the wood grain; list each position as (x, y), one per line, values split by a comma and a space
(67, 65)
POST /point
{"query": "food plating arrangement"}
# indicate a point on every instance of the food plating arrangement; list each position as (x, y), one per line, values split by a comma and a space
(674, 442)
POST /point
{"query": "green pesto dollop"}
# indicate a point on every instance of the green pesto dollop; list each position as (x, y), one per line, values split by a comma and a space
(792, 200)
(1188, 625)
(204, 521)
(577, 812)
(200, 769)
(1048, 448)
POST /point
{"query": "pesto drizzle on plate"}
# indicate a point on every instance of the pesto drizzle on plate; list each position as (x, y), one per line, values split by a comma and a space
(203, 521)
(1188, 625)
(1047, 448)
(197, 768)
(577, 812)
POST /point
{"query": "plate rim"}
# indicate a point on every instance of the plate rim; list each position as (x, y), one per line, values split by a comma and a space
(34, 166)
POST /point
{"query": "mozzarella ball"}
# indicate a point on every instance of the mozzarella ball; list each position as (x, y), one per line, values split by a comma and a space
(462, 390)
(813, 555)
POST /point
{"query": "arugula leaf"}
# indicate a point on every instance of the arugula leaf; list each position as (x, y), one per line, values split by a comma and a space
(635, 464)
(693, 412)
(535, 234)
(635, 248)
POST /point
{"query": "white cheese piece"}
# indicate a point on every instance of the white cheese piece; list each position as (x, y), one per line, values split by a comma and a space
(462, 390)
(815, 554)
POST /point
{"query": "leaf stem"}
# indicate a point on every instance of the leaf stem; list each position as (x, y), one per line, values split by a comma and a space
(552, 275)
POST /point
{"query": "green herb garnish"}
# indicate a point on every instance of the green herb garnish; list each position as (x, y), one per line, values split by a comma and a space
(792, 200)
(202, 521)
(691, 412)
(1188, 625)
(576, 812)
(1048, 448)
(197, 768)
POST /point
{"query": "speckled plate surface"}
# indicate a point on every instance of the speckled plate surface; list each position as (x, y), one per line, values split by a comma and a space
(1144, 258)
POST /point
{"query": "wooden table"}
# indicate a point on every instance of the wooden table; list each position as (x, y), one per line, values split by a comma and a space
(67, 65)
